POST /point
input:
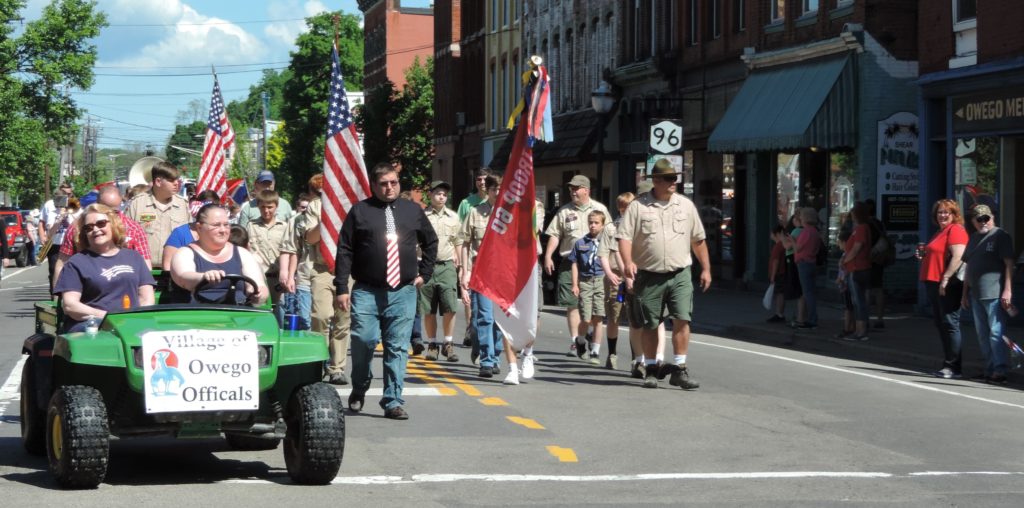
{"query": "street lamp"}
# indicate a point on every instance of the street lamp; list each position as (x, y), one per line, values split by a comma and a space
(603, 100)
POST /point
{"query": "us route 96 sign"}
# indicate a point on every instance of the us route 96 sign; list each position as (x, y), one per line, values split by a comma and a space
(666, 136)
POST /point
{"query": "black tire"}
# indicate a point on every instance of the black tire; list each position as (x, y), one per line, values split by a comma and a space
(22, 258)
(249, 442)
(315, 441)
(33, 433)
(77, 437)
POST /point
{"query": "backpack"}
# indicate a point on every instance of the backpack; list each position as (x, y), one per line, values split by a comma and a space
(822, 256)
(883, 252)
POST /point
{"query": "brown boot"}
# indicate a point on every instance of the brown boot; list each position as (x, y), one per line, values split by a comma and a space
(448, 351)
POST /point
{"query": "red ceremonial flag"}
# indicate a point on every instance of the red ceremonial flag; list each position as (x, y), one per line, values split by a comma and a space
(510, 241)
(220, 137)
(345, 181)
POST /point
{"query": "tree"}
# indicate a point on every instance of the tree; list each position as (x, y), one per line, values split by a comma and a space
(412, 132)
(374, 119)
(305, 95)
(189, 137)
(195, 111)
(249, 111)
(276, 147)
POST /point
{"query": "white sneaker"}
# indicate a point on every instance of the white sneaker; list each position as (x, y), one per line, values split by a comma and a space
(528, 370)
(512, 378)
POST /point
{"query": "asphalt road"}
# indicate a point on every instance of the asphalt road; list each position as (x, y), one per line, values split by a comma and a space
(769, 427)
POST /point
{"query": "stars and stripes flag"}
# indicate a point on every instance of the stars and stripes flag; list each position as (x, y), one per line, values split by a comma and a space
(506, 269)
(345, 180)
(220, 137)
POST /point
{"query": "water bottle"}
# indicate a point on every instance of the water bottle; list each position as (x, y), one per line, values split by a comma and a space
(621, 297)
(92, 325)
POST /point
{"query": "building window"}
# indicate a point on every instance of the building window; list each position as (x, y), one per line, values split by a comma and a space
(739, 11)
(494, 100)
(504, 92)
(494, 15)
(655, 33)
(778, 10)
(691, 12)
(714, 19)
(843, 3)
(809, 6)
(964, 10)
(504, 13)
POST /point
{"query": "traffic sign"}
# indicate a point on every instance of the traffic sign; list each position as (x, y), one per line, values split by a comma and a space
(666, 136)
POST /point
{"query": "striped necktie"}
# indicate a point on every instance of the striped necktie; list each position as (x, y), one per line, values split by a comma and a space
(394, 275)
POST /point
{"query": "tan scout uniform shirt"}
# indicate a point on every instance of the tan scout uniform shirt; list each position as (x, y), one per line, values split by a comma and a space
(570, 224)
(158, 220)
(661, 232)
(303, 251)
(446, 226)
(312, 217)
(609, 245)
(268, 241)
(474, 227)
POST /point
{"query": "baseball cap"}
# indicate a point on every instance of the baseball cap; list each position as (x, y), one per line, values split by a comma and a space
(980, 210)
(265, 176)
(580, 181)
(440, 183)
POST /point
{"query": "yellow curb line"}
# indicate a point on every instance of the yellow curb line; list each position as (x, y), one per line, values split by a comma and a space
(563, 454)
(525, 422)
(493, 401)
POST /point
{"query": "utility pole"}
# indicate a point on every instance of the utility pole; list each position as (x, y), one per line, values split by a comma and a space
(266, 113)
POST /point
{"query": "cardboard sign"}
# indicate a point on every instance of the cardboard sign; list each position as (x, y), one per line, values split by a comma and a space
(200, 370)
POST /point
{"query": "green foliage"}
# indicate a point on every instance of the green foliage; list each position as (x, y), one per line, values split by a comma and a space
(24, 149)
(185, 136)
(249, 111)
(374, 119)
(242, 165)
(276, 149)
(304, 108)
(412, 132)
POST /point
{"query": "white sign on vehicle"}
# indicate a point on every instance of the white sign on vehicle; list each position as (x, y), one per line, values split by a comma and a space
(200, 370)
(666, 137)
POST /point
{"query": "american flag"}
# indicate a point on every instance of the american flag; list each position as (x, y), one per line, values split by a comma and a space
(220, 137)
(345, 181)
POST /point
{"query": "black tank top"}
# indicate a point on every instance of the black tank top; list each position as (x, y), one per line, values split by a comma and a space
(216, 292)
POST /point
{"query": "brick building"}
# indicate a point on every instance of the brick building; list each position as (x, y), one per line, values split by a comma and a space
(972, 107)
(394, 36)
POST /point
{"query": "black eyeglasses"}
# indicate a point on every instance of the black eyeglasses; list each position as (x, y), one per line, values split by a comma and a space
(982, 219)
(102, 223)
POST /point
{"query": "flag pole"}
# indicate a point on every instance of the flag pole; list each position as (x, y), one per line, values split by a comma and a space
(337, 19)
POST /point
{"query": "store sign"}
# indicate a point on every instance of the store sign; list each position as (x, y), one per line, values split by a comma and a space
(898, 191)
(990, 111)
(200, 370)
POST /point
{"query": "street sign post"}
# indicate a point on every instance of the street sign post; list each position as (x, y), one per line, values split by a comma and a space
(666, 136)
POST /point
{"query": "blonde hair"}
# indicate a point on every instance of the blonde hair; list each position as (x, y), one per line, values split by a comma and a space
(117, 233)
(624, 199)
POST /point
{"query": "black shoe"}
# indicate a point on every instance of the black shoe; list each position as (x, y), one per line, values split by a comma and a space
(467, 342)
(997, 379)
(776, 319)
(396, 413)
(417, 348)
(637, 371)
(581, 348)
(496, 370)
(681, 378)
(355, 402)
(486, 372)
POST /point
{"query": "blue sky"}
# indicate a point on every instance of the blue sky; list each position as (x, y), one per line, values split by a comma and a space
(154, 37)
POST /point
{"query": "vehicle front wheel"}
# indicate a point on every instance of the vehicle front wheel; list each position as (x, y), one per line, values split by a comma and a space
(249, 442)
(33, 433)
(77, 437)
(315, 440)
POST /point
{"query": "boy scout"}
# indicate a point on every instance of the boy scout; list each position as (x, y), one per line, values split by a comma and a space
(588, 283)
(269, 238)
(656, 236)
(568, 226)
(489, 336)
(160, 210)
(441, 291)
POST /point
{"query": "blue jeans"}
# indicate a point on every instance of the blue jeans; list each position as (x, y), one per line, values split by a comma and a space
(946, 313)
(299, 303)
(381, 313)
(807, 271)
(488, 334)
(858, 282)
(989, 319)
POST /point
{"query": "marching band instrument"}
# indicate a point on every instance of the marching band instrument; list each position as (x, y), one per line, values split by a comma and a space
(54, 229)
(141, 173)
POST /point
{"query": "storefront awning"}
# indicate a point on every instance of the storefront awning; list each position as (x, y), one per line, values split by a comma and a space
(798, 106)
(575, 136)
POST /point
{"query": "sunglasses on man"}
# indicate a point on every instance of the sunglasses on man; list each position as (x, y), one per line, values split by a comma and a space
(983, 219)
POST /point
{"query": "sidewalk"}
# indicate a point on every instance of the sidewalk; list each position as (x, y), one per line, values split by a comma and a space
(907, 341)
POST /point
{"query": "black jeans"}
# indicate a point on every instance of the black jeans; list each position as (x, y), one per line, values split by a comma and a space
(946, 314)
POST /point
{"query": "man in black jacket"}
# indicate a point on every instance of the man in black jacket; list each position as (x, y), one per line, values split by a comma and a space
(377, 247)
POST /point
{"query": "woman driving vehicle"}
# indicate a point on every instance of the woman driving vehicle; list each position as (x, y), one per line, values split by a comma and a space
(101, 277)
(211, 257)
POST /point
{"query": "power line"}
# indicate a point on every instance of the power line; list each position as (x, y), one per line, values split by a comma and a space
(188, 66)
(126, 110)
(208, 23)
(204, 92)
(132, 124)
(168, 75)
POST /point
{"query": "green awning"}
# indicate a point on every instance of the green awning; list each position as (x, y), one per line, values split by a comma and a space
(797, 106)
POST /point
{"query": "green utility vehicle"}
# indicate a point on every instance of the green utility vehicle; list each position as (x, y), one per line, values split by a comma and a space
(183, 370)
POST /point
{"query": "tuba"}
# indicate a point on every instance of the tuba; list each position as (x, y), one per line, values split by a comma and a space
(142, 171)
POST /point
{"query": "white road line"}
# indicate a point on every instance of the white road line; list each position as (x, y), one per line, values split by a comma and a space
(910, 384)
(11, 387)
(12, 273)
(22, 287)
(756, 475)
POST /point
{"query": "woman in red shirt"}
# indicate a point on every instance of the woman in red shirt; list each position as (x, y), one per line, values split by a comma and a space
(940, 261)
(856, 261)
(807, 245)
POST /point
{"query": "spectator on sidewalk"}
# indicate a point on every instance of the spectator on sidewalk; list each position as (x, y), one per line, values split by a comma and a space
(844, 288)
(940, 262)
(876, 283)
(792, 287)
(805, 255)
(988, 289)
(588, 284)
(777, 275)
(856, 262)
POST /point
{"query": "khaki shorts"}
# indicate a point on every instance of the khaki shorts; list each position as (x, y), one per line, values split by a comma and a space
(440, 292)
(658, 292)
(565, 297)
(612, 305)
(591, 297)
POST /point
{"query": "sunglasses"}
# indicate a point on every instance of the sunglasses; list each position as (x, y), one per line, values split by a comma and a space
(982, 219)
(100, 224)
(388, 183)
